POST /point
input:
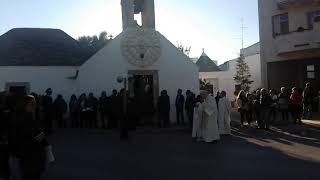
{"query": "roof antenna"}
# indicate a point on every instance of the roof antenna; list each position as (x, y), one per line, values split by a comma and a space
(242, 33)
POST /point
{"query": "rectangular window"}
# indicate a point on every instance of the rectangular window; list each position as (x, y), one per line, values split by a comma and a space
(280, 24)
(311, 72)
(311, 16)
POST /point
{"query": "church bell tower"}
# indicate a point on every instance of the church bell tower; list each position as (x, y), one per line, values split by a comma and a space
(132, 7)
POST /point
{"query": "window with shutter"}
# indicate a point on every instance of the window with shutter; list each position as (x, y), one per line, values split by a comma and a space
(280, 24)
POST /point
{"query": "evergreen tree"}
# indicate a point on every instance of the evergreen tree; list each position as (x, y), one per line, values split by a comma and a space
(94, 43)
(243, 76)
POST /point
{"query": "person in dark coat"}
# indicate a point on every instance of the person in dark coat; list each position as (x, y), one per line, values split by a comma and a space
(189, 106)
(15, 105)
(123, 116)
(31, 142)
(179, 107)
(47, 107)
(217, 98)
(92, 105)
(74, 111)
(308, 96)
(250, 98)
(60, 108)
(256, 105)
(104, 103)
(265, 103)
(164, 110)
(115, 105)
(4, 128)
(133, 113)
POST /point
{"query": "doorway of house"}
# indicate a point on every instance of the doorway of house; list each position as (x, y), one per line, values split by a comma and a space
(143, 93)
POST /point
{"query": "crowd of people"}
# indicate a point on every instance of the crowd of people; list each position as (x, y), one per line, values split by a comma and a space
(264, 106)
(208, 116)
(26, 120)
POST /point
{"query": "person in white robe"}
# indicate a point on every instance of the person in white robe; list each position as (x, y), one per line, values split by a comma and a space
(224, 114)
(210, 118)
(197, 119)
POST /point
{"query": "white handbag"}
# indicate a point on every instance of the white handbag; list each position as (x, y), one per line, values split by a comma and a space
(49, 155)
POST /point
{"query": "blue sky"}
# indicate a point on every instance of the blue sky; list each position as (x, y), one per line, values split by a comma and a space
(210, 24)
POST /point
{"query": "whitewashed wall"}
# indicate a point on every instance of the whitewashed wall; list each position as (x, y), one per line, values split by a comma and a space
(41, 78)
(174, 68)
(225, 78)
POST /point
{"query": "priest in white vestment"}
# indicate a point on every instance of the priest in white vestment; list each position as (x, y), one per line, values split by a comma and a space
(224, 114)
(210, 118)
(197, 119)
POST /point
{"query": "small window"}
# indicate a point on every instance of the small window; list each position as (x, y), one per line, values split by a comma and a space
(311, 16)
(311, 72)
(280, 24)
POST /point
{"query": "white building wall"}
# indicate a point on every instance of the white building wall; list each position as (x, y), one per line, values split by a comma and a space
(225, 81)
(41, 78)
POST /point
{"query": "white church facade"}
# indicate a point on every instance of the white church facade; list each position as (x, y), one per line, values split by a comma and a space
(140, 52)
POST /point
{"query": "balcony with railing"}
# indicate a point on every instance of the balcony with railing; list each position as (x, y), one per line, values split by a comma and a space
(298, 41)
(286, 4)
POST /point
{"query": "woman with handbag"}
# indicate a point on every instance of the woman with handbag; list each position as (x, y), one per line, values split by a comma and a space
(32, 144)
(242, 103)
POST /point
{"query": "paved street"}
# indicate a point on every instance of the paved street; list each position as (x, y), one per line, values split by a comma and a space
(286, 152)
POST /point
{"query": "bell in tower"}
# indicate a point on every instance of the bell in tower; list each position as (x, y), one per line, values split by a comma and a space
(132, 7)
